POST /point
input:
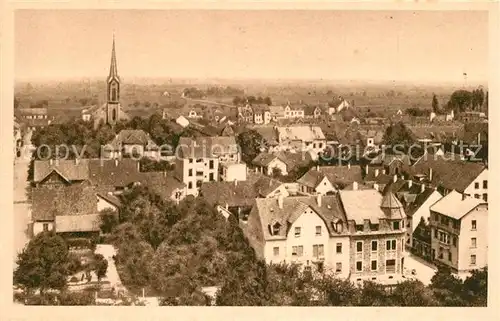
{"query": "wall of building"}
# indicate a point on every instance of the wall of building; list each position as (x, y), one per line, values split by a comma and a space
(234, 172)
(102, 204)
(480, 191)
(38, 227)
(324, 186)
(342, 258)
(276, 163)
(480, 215)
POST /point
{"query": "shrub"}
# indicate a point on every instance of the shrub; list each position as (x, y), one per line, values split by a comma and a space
(74, 279)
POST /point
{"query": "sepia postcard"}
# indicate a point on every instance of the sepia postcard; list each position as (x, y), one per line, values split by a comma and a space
(243, 155)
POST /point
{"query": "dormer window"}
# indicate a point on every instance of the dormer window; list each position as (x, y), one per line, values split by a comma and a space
(359, 228)
(337, 226)
(374, 227)
(395, 225)
(276, 228)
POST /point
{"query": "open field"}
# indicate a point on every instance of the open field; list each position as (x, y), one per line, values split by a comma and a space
(67, 99)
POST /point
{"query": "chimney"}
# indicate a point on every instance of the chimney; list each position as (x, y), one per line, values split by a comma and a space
(479, 138)
(430, 174)
(235, 182)
(164, 173)
(57, 161)
(366, 169)
(355, 186)
(376, 172)
(422, 188)
(318, 199)
(463, 197)
(76, 161)
(227, 206)
(116, 162)
(349, 165)
(395, 178)
(280, 201)
(409, 183)
(376, 187)
(51, 162)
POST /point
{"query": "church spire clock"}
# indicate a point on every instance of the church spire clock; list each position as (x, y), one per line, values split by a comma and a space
(113, 90)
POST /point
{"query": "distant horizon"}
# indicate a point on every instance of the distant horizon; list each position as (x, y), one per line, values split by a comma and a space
(416, 47)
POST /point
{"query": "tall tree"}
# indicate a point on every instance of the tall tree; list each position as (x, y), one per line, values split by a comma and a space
(435, 104)
(250, 143)
(43, 264)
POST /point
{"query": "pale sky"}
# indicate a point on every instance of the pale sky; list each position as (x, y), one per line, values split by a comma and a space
(346, 45)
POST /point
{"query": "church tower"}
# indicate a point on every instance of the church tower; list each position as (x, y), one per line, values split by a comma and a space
(113, 91)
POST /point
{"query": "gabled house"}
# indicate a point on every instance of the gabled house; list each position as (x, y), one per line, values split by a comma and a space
(237, 197)
(195, 113)
(292, 111)
(285, 162)
(468, 178)
(261, 114)
(301, 139)
(328, 179)
(312, 112)
(71, 211)
(131, 142)
(308, 231)
(245, 114)
(60, 172)
(277, 112)
(459, 232)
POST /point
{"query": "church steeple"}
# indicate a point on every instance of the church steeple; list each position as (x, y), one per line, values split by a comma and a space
(113, 92)
(113, 69)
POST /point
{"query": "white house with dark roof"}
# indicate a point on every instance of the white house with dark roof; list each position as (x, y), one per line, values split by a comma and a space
(292, 112)
(131, 142)
(305, 230)
(459, 232)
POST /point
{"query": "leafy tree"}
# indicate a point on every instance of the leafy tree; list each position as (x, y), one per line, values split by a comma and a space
(373, 294)
(397, 134)
(460, 100)
(414, 294)
(447, 288)
(43, 264)
(250, 143)
(435, 104)
(268, 101)
(475, 288)
(237, 100)
(109, 219)
(100, 266)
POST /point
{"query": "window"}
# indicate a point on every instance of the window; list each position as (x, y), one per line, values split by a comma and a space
(297, 231)
(359, 246)
(190, 161)
(473, 227)
(473, 259)
(454, 241)
(276, 251)
(473, 242)
(390, 245)
(339, 248)
(390, 266)
(320, 145)
(318, 230)
(113, 95)
(338, 267)
(435, 234)
(211, 164)
(476, 185)
(374, 245)
(477, 196)
(449, 256)
(190, 185)
(45, 227)
(190, 172)
(485, 184)
(359, 266)
(211, 177)
(374, 265)
(485, 197)
(374, 227)
(318, 250)
(359, 228)
(395, 225)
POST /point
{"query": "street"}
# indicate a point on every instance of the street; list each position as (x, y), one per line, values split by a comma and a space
(424, 270)
(22, 210)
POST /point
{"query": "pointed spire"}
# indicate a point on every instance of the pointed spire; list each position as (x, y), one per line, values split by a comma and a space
(113, 69)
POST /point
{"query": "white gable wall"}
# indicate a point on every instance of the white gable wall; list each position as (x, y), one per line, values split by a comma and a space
(324, 186)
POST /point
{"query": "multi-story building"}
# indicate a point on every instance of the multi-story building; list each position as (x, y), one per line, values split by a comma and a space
(459, 232)
(305, 230)
(377, 235)
(357, 234)
(33, 118)
(198, 159)
(131, 142)
(261, 114)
